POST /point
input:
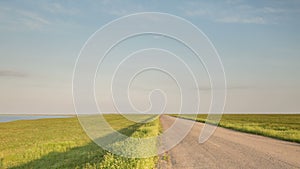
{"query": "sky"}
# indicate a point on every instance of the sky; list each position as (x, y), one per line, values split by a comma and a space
(257, 41)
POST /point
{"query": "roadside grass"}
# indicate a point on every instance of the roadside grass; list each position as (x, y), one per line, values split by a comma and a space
(280, 126)
(61, 143)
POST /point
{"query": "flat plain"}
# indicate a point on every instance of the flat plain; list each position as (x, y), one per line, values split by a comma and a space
(62, 143)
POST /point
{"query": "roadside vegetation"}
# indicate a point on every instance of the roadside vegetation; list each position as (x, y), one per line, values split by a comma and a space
(280, 126)
(62, 143)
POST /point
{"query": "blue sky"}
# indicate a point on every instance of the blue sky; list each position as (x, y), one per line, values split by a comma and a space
(258, 42)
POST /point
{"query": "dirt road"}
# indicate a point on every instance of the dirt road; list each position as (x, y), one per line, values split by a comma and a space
(231, 149)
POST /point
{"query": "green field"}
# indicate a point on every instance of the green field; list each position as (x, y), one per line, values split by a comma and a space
(61, 143)
(280, 126)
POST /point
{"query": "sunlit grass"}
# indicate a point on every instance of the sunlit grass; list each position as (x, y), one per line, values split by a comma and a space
(61, 143)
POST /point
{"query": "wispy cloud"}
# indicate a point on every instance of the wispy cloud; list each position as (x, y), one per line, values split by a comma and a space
(236, 19)
(34, 17)
(272, 10)
(117, 12)
(123, 8)
(12, 19)
(12, 73)
(199, 12)
(32, 20)
(233, 11)
(231, 87)
(57, 8)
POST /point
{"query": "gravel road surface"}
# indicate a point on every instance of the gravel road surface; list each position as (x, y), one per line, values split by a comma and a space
(230, 149)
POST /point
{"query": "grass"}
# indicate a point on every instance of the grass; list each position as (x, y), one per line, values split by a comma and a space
(280, 126)
(61, 143)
